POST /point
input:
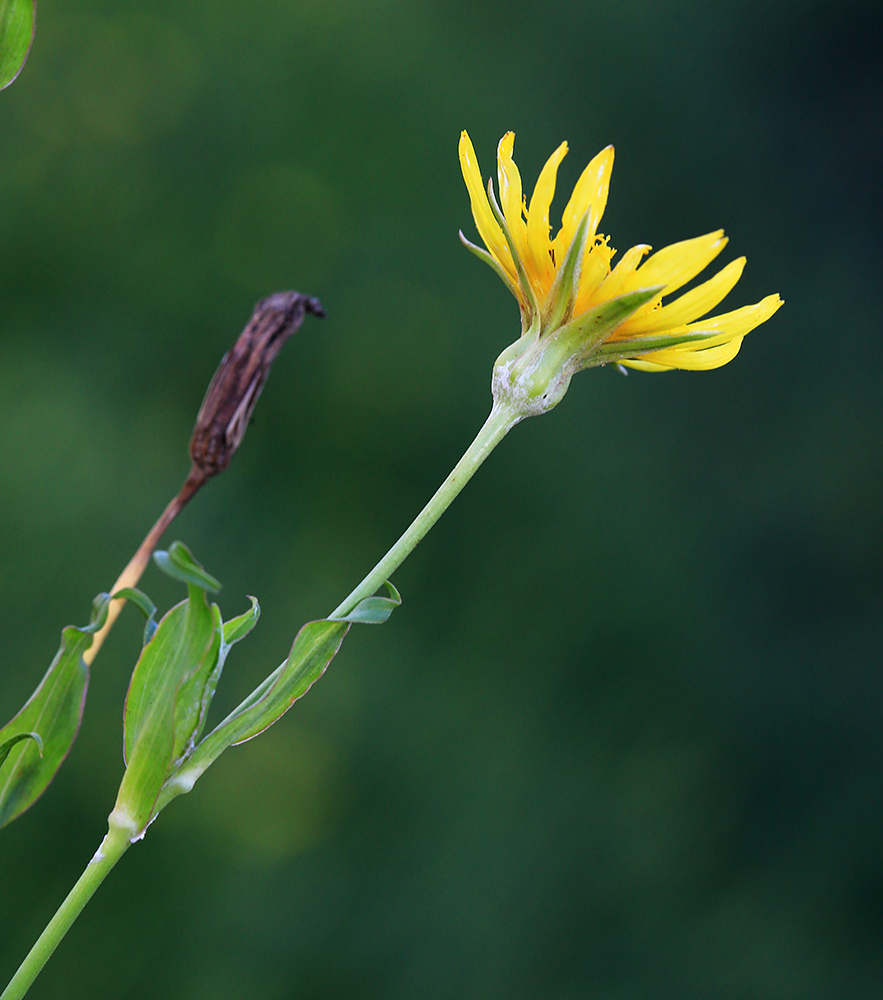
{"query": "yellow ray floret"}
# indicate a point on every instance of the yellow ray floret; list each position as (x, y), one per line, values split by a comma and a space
(517, 234)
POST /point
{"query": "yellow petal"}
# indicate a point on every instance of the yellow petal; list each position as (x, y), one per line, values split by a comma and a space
(511, 196)
(642, 365)
(675, 265)
(485, 222)
(541, 266)
(740, 321)
(589, 195)
(700, 355)
(614, 283)
(696, 360)
(595, 269)
(694, 303)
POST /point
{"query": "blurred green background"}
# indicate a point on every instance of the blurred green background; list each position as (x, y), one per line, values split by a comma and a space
(624, 738)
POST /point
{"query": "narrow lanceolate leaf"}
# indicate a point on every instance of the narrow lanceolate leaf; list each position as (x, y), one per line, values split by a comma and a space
(196, 693)
(53, 714)
(164, 706)
(18, 21)
(238, 628)
(172, 688)
(313, 649)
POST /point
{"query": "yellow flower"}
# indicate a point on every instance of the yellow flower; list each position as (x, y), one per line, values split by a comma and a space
(566, 281)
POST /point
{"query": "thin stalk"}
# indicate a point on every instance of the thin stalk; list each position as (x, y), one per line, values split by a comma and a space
(112, 848)
(495, 428)
(138, 563)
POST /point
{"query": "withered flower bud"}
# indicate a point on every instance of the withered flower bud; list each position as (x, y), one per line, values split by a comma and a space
(234, 390)
(221, 421)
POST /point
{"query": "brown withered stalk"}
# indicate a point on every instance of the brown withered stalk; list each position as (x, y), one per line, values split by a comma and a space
(221, 422)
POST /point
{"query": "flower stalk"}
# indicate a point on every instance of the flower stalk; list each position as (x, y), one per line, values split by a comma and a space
(501, 419)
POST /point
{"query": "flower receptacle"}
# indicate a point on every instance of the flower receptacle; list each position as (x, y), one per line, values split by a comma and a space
(532, 375)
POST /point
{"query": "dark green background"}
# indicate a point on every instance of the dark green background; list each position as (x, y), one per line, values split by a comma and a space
(623, 738)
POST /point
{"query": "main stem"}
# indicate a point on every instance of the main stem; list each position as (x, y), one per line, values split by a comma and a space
(495, 428)
(112, 848)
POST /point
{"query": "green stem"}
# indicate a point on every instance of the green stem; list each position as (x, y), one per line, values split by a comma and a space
(112, 848)
(495, 428)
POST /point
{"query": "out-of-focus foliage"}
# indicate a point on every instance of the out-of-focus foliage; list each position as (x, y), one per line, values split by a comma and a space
(623, 738)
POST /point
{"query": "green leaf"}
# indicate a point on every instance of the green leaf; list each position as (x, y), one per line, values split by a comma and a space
(179, 564)
(196, 692)
(18, 21)
(144, 605)
(166, 703)
(313, 649)
(200, 689)
(52, 713)
(238, 628)
(7, 745)
(373, 610)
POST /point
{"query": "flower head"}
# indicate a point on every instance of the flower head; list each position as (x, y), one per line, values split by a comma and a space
(570, 295)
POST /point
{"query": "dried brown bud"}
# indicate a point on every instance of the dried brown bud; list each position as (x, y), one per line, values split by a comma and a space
(234, 390)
